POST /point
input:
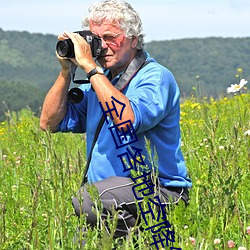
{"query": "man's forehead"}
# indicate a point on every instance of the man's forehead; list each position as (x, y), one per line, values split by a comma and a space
(104, 24)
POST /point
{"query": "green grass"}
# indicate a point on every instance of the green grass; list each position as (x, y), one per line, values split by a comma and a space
(40, 172)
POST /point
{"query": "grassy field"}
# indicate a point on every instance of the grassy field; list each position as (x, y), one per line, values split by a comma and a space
(40, 172)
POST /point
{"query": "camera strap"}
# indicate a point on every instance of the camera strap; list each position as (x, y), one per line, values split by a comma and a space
(136, 64)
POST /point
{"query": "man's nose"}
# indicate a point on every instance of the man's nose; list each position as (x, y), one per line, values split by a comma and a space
(104, 44)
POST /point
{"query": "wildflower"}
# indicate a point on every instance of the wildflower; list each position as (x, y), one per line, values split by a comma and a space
(22, 210)
(45, 216)
(237, 87)
(216, 241)
(195, 106)
(221, 147)
(14, 188)
(198, 182)
(248, 230)
(192, 240)
(242, 248)
(240, 70)
(247, 133)
(230, 244)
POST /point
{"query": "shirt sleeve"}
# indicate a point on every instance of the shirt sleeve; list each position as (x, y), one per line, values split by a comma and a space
(153, 97)
(75, 118)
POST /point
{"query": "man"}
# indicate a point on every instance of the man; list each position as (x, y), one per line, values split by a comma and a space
(140, 101)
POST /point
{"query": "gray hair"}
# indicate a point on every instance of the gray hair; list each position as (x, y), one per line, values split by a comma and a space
(120, 13)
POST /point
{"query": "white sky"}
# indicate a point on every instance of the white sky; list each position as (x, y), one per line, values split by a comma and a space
(162, 19)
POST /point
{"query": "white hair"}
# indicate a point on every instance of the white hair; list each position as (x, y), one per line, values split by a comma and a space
(120, 13)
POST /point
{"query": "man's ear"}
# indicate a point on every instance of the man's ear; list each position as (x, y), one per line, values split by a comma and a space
(134, 42)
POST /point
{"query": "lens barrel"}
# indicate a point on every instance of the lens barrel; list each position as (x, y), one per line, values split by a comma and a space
(75, 95)
(65, 48)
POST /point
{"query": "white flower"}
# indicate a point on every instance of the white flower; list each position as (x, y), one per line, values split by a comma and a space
(237, 87)
(246, 133)
(22, 210)
(192, 240)
(217, 241)
(242, 248)
(248, 230)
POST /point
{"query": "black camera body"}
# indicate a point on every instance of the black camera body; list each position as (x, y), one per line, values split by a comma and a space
(65, 48)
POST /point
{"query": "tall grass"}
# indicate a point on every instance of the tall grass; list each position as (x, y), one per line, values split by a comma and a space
(40, 172)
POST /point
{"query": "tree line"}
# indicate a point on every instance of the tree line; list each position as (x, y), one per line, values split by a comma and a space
(202, 67)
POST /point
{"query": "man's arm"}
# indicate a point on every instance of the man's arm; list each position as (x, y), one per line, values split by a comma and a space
(55, 103)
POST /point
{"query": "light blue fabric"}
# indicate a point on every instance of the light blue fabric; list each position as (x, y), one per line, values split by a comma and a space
(154, 97)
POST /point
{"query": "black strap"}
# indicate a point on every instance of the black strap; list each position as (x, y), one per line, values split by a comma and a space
(136, 64)
(97, 132)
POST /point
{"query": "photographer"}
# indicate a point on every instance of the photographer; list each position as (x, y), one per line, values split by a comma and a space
(148, 97)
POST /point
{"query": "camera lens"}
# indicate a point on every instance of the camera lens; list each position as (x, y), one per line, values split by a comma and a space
(75, 95)
(65, 48)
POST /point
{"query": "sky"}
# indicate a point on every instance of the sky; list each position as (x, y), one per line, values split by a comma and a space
(162, 19)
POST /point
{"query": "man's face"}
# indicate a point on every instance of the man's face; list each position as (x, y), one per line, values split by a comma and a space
(118, 50)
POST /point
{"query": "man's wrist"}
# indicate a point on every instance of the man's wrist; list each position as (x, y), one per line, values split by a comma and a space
(96, 70)
(65, 73)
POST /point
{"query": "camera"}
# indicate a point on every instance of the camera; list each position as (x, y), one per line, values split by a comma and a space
(65, 48)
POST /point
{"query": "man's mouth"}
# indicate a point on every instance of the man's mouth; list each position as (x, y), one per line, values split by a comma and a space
(103, 56)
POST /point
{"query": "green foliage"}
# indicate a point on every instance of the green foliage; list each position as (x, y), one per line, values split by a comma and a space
(14, 95)
(36, 184)
(28, 58)
(40, 172)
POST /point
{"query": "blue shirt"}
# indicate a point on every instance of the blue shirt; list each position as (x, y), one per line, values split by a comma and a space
(154, 97)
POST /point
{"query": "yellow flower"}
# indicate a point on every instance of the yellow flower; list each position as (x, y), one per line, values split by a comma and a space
(195, 105)
(240, 70)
